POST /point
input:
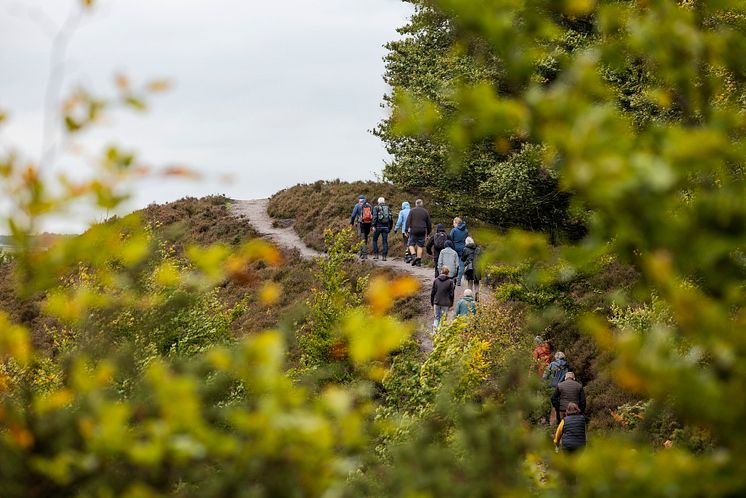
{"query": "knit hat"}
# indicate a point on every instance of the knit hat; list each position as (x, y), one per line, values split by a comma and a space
(449, 244)
(538, 340)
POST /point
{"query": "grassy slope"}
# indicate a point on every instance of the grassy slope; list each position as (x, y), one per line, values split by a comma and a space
(317, 206)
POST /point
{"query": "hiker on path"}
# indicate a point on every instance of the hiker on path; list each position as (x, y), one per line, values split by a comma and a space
(568, 391)
(570, 435)
(441, 297)
(542, 354)
(466, 306)
(401, 223)
(458, 236)
(362, 215)
(554, 374)
(382, 223)
(469, 264)
(449, 259)
(419, 226)
(436, 244)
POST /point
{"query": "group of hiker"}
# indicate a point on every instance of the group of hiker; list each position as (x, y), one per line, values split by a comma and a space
(567, 396)
(455, 253)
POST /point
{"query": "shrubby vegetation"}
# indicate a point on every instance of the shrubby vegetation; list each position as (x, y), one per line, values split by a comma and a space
(637, 113)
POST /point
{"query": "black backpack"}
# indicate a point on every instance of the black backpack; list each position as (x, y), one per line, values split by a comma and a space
(384, 215)
(439, 240)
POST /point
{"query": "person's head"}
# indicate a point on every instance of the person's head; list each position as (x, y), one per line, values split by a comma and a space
(469, 241)
(569, 376)
(381, 200)
(440, 228)
(449, 243)
(572, 409)
(456, 221)
(405, 205)
(468, 293)
(538, 340)
(445, 270)
(559, 355)
(361, 199)
(418, 203)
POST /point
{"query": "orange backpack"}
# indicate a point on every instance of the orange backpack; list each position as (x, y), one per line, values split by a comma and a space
(367, 216)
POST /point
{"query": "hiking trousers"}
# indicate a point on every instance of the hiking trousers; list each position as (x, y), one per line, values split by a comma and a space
(363, 230)
(383, 232)
(441, 313)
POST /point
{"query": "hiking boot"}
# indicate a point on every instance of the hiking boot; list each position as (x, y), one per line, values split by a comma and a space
(408, 258)
(375, 256)
(384, 258)
(417, 262)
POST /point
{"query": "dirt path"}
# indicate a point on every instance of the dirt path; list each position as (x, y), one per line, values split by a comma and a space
(255, 211)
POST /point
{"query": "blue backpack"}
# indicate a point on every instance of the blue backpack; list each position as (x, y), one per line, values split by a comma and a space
(558, 373)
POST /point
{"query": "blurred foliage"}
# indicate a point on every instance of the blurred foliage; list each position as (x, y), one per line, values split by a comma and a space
(637, 112)
(642, 120)
(505, 183)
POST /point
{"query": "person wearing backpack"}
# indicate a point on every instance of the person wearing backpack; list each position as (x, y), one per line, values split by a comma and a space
(382, 223)
(436, 244)
(449, 259)
(401, 223)
(458, 236)
(468, 260)
(362, 216)
(554, 374)
(466, 306)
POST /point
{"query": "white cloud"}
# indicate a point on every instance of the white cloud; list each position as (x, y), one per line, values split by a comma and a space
(273, 92)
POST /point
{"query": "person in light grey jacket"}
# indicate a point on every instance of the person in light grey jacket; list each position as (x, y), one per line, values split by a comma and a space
(449, 258)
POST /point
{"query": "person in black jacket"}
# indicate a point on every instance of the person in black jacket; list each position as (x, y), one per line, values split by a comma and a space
(470, 257)
(568, 391)
(570, 435)
(441, 296)
(437, 243)
(382, 224)
(420, 226)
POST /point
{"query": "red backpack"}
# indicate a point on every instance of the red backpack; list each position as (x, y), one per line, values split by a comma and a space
(367, 216)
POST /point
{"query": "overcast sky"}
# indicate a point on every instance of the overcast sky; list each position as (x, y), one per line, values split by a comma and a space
(272, 93)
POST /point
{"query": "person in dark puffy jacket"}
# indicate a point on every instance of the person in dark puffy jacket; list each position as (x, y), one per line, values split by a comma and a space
(568, 391)
(441, 296)
(419, 226)
(382, 223)
(437, 243)
(458, 236)
(570, 435)
(469, 264)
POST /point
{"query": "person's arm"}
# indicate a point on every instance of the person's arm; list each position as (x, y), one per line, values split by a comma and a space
(432, 293)
(558, 434)
(354, 214)
(428, 223)
(452, 291)
(546, 372)
(456, 265)
(581, 401)
(429, 246)
(399, 221)
(459, 307)
(408, 223)
(556, 398)
(440, 261)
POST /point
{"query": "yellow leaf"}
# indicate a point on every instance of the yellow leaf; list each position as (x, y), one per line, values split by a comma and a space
(373, 337)
(270, 293)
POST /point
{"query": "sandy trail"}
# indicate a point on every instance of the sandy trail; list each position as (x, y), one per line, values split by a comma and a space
(255, 211)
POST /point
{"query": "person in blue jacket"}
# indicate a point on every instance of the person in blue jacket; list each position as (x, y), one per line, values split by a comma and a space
(401, 223)
(458, 236)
